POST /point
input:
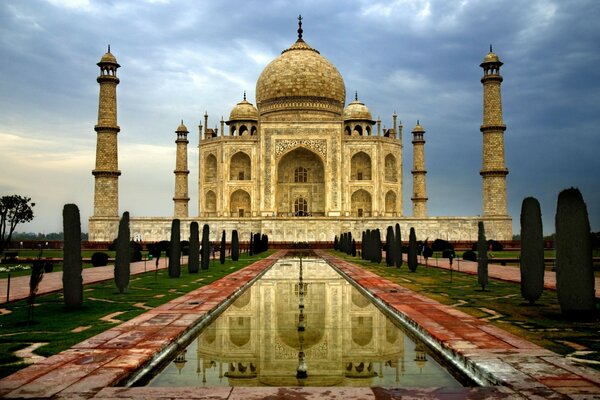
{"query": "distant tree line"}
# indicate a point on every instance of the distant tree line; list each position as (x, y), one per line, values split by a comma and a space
(20, 236)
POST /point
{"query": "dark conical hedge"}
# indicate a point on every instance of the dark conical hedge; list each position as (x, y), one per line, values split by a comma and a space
(390, 246)
(482, 258)
(235, 246)
(175, 250)
(72, 266)
(194, 251)
(251, 245)
(532, 250)
(397, 247)
(205, 250)
(335, 243)
(574, 268)
(222, 251)
(376, 246)
(412, 250)
(123, 256)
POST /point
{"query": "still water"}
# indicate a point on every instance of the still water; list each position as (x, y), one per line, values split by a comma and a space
(302, 324)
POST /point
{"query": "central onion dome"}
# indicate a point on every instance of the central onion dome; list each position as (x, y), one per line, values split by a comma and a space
(300, 79)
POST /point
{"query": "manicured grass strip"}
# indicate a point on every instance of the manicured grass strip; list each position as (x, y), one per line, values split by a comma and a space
(501, 304)
(62, 328)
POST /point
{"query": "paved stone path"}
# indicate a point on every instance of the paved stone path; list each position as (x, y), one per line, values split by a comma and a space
(499, 357)
(52, 281)
(512, 367)
(503, 272)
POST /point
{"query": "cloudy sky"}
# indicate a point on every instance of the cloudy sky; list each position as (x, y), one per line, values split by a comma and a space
(419, 58)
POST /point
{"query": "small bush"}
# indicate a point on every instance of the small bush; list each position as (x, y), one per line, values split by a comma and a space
(136, 256)
(441, 245)
(469, 256)
(495, 245)
(448, 253)
(99, 259)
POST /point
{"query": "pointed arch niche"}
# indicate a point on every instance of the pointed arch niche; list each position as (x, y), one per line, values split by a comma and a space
(300, 175)
(360, 167)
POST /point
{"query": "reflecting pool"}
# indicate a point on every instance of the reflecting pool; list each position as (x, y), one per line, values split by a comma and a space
(303, 324)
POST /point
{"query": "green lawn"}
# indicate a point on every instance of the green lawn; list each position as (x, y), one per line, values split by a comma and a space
(54, 324)
(501, 303)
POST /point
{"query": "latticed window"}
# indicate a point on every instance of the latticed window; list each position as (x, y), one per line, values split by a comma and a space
(300, 207)
(300, 175)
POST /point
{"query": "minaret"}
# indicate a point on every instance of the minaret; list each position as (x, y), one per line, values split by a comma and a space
(493, 170)
(106, 173)
(181, 198)
(419, 198)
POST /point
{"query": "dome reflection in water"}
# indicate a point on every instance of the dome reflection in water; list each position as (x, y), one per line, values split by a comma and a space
(309, 328)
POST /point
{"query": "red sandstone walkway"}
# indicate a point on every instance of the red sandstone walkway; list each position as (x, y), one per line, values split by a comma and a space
(501, 357)
(510, 366)
(502, 272)
(52, 281)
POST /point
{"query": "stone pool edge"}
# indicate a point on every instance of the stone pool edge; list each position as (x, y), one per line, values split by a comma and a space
(118, 355)
(492, 356)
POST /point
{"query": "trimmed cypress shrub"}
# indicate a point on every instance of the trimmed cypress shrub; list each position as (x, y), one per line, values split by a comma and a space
(72, 266)
(532, 250)
(205, 251)
(398, 247)
(99, 259)
(376, 246)
(123, 256)
(222, 250)
(412, 250)
(349, 244)
(256, 243)
(251, 245)
(482, 258)
(194, 251)
(353, 248)
(574, 270)
(335, 243)
(175, 250)
(363, 243)
(235, 245)
(367, 248)
(390, 246)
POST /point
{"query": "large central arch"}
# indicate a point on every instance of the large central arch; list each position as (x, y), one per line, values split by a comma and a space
(300, 180)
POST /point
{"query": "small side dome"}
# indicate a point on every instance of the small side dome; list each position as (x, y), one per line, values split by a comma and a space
(418, 128)
(108, 58)
(182, 128)
(491, 57)
(244, 111)
(356, 111)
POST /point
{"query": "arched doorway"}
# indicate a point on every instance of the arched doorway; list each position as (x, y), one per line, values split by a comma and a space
(361, 203)
(240, 204)
(360, 167)
(300, 187)
(211, 204)
(240, 167)
(390, 203)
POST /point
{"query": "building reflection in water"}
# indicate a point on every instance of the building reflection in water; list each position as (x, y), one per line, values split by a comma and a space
(295, 317)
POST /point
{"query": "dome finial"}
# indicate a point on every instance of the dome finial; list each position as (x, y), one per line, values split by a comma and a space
(244, 95)
(491, 48)
(300, 27)
(418, 123)
(356, 95)
(109, 48)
